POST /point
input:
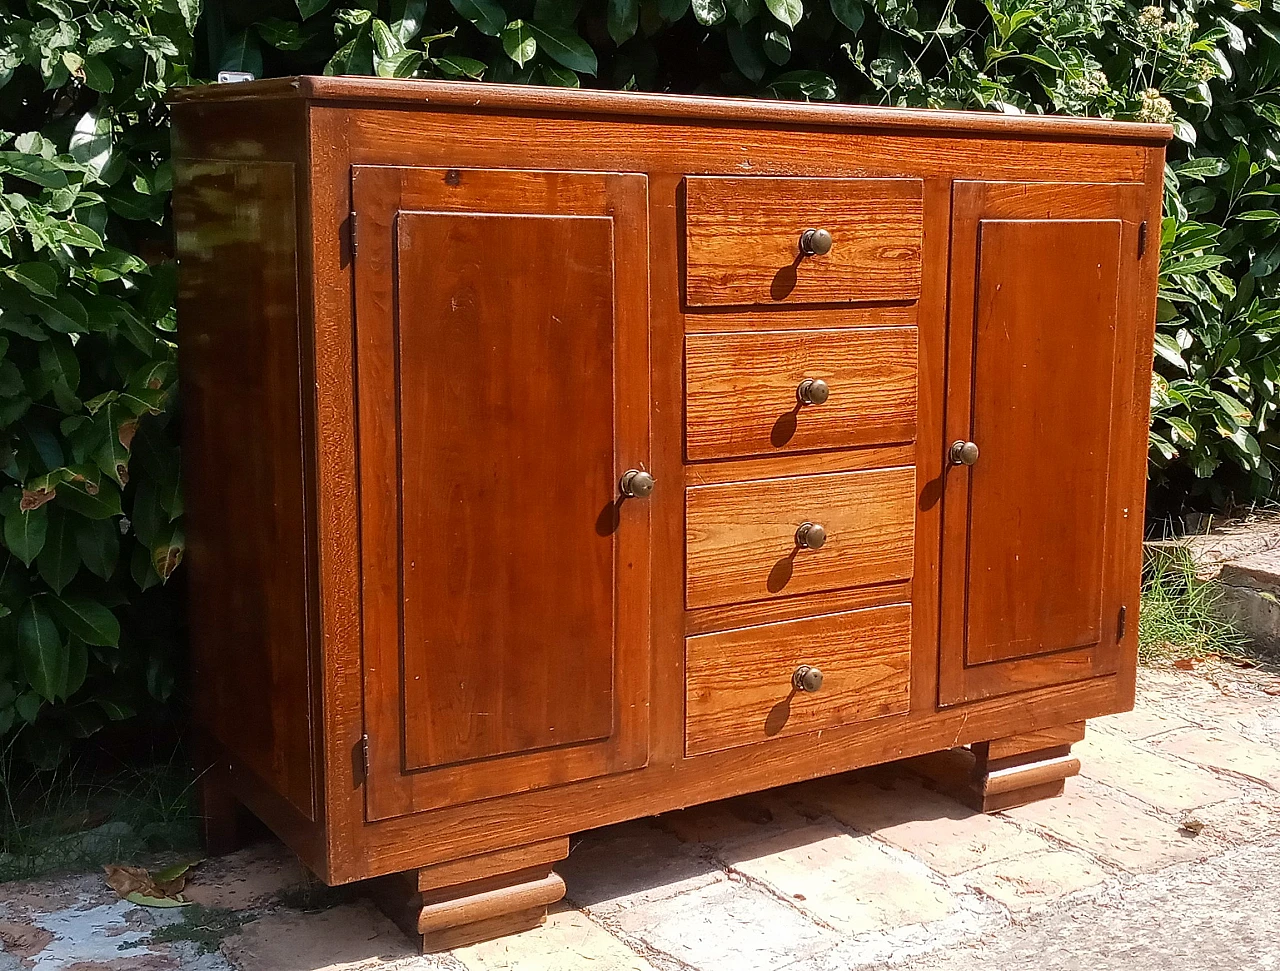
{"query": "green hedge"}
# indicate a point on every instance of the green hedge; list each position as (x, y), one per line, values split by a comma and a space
(89, 492)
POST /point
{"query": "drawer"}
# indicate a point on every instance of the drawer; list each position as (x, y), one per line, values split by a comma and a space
(742, 240)
(741, 390)
(739, 686)
(741, 544)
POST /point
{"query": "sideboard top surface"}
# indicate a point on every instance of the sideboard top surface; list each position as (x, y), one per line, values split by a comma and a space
(462, 95)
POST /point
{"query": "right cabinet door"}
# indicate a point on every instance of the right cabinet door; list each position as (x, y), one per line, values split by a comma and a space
(1044, 316)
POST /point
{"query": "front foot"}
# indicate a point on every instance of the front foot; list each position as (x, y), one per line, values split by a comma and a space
(477, 898)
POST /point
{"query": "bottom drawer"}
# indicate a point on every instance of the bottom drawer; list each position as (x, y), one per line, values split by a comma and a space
(739, 688)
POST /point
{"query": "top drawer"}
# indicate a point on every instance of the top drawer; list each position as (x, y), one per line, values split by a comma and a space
(743, 240)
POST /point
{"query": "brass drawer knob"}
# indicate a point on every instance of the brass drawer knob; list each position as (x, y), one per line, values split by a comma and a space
(636, 484)
(812, 391)
(807, 679)
(815, 242)
(810, 536)
(964, 453)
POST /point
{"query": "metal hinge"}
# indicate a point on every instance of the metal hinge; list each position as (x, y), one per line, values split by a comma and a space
(1122, 624)
(1142, 238)
(354, 241)
(364, 752)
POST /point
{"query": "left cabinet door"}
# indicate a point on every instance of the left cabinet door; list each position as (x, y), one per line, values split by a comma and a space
(502, 346)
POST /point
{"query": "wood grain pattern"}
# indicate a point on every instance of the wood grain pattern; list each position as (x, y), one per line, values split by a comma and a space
(1046, 314)
(741, 543)
(495, 513)
(520, 98)
(237, 240)
(739, 689)
(740, 391)
(1047, 738)
(742, 240)
(1043, 289)
(506, 460)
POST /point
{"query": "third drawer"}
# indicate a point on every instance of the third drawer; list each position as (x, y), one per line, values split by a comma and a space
(741, 537)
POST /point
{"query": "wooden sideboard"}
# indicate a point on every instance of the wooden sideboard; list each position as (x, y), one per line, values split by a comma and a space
(558, 457)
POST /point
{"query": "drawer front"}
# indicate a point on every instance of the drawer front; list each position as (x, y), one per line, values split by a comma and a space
(741, 543)
(743, 240)
(739, 686)
(741, 390)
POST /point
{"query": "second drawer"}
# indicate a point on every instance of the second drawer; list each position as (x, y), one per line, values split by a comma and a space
(741, 539)
(742, 390)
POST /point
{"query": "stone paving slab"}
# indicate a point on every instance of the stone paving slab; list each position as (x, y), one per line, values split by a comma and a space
(1171, 836)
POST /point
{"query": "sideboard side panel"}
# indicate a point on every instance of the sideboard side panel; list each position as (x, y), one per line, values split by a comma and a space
(246, 506)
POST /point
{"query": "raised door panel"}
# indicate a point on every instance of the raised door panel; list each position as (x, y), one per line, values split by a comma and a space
(503, 344)
(1043, 320)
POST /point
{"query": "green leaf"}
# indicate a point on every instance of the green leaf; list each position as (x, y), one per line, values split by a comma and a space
(565, 48)
(849, 13)
(88, 619)
(623, 19)
(560, 77)
(488, 17)
(788, 11)
(1201, 168)
(98, 543)
(1168, 348)
(709, 12)
(406, 18)
(777, 46)
(242, 53)
(190, 10)
(40, 278)
(91, 500)
(804, 86)
(44, 657)
(747, 52)
(59, 560)
(518, 42)
(456, 66)
(672, 10)
(25, 532)
(77, 669)
(35, 169)
(309, 8)
(98, 75)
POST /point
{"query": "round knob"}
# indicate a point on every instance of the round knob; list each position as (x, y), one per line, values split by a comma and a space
(964, 453)
(810, 536)
(815, 242)
(636, 484)
(806, 679)
(812, 391)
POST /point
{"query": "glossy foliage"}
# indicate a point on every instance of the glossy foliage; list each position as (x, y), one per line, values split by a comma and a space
(88, 461)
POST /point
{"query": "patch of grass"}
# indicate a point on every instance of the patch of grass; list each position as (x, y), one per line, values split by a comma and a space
(205, 927)
(86, 814)
(1179, 616)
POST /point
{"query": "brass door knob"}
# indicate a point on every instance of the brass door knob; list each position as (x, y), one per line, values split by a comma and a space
(806, 679)
(636, 484)
(815, 242)
(964, 453)
(812, 391)
(810, 536)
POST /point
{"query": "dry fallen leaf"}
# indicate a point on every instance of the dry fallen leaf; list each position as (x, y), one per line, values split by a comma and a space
(136, 885)
(1184, 664)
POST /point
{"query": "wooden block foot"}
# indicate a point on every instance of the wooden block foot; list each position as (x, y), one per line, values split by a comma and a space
(478, 898)
(1006, 772)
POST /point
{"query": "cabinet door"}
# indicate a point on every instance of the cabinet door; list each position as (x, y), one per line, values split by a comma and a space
(503, 376)
(1045, 323)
